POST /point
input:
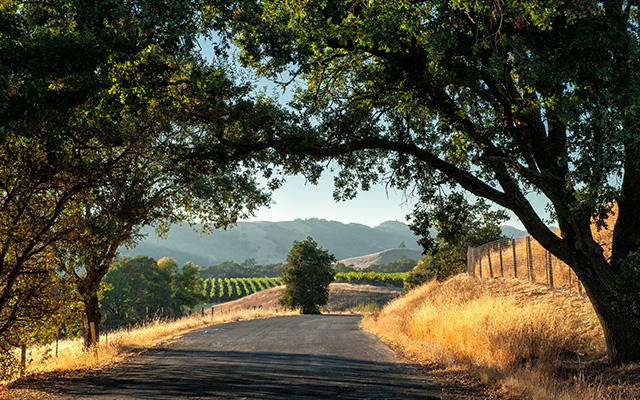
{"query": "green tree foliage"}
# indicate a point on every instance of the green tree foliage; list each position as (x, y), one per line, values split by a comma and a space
(136, 285)
(403, 264)
(384, 278)
(206, 289)
(140, 288)
(460, 225)
(341, 267)
(93, 121)
(57, 139)
(248, 269)
(187, 286)
(307, 277)
(500, 99)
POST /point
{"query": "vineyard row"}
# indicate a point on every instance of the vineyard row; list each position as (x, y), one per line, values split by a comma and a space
(227, 289)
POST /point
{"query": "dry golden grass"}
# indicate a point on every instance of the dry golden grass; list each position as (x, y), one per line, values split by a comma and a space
(530, 341)
(126, 342)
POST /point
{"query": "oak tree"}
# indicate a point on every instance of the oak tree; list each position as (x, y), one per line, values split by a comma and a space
(307, 277)
(93, 101)
(501, 99)
(58, 60)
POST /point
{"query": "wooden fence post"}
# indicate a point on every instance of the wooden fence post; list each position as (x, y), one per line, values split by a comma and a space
(546, 266)
(515, 260)
(489, 259)
(473, 262)
(530, 257)
(500, 253)
(480, 264)
(550, 271)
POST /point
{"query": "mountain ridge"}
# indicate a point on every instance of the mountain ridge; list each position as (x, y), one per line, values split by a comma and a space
(270, 242)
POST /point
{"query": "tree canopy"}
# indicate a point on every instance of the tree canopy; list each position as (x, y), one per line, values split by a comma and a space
(459, 225)
(307, 277)
(93, 132)
(501, 99)
(138, 288)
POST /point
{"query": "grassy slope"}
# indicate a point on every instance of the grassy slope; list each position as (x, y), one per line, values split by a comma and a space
(381, 258)
(530, 341)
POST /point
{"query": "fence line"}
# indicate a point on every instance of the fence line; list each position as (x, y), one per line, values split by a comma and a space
(522, 258)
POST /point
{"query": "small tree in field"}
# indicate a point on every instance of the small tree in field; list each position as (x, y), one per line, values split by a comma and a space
(307, 277)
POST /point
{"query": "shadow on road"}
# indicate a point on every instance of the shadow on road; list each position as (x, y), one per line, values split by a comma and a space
(288, 357)
(233, 374)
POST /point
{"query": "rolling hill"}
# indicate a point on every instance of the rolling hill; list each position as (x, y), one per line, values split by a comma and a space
(270, 242)
(382, 257)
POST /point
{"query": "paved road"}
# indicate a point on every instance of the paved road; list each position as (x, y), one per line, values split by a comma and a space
(294, 357)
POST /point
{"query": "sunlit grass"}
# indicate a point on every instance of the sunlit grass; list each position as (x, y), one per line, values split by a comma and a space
(510, 332)
(366, 308)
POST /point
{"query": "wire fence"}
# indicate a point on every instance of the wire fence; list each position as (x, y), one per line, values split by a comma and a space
(522, 258)
(113, 321)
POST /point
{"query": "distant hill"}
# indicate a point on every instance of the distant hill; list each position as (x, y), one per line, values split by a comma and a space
(382, 257)
(270, 242)
(512, 232)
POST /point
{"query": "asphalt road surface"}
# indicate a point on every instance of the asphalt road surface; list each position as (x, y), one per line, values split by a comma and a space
(293, 357)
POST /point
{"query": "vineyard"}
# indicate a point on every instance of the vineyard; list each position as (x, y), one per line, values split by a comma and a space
(394, 279)
(227, 289)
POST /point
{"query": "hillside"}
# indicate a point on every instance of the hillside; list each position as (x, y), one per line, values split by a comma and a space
(528, 341)
(270, 242)
(382, 257)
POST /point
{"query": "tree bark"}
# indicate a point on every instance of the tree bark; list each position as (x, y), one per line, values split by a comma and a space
(621, 321)
(621, 326)
(92, 311)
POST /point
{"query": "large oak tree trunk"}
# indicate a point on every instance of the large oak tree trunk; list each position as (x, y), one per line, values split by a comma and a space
(620, 323)
(620, 313)
(621, 333)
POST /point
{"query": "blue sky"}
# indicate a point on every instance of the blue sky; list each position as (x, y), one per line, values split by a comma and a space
(299, 199)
